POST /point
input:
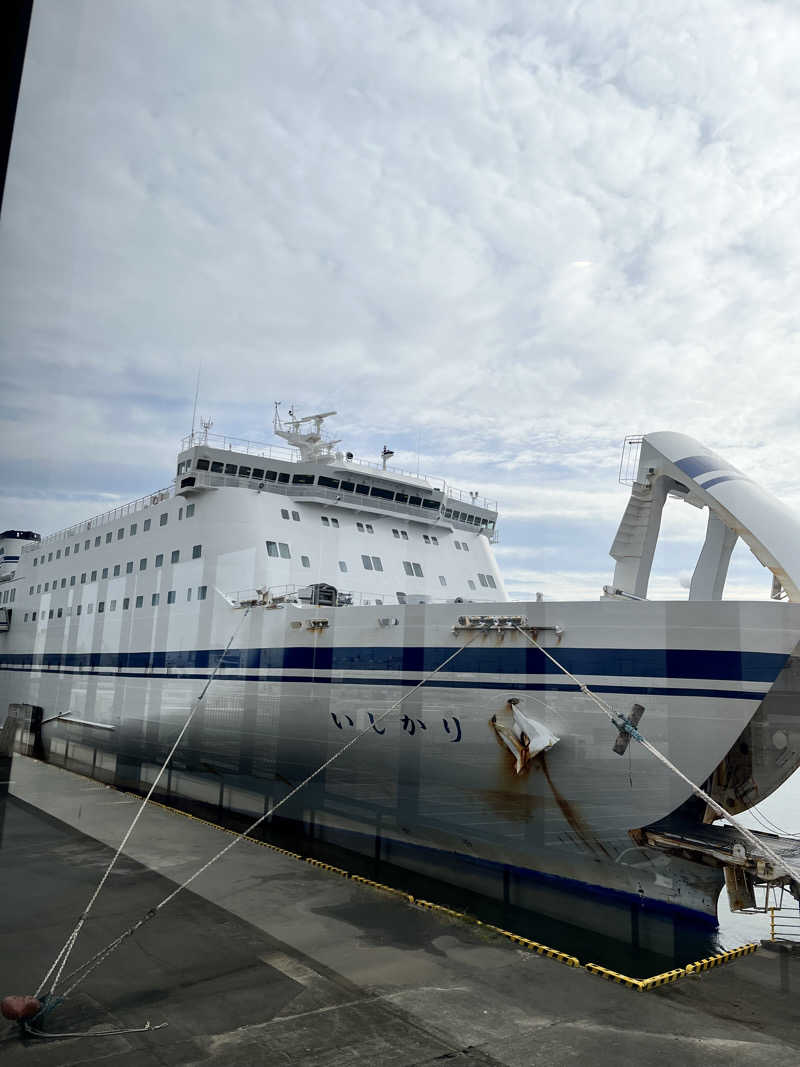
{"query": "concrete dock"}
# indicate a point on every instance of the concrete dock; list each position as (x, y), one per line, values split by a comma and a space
(270, 960)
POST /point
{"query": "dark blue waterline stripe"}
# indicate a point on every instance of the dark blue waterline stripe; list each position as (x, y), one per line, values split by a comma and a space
(524, 660)
(435, 683)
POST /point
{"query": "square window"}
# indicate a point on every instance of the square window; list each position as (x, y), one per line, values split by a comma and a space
(35, 561)
(86, 545)
(272, 549)
(396, 533)
(112, 605)
(176, 555)
(360, 527)
(189, 510)
(66, 551)
(120, 533)
(139, 601)
(58, 554)
(470, 583)
(76, 548)
(155, 599)
(159, 562)
(79, 609)
(325, 520)
(60, 612)
(171, 596)
(417, 570)
(458, 546)
(49, 557)
(335, 522)
(435, 540)
(482, 580)
(180, 514)
(109, 537)
(94, 576)
(101, 606)
(47, 587)
(284, 550)
(201, 592)
(90, 609)
(442, 580)
(26, 617)
(369, 528)
(126, 603)
(162, 519)
(231, 469)
(30, 591)
(132, 530)
(404, 535)
(342, 566)
(408, 568)
(83, 578)
(116, 570)
(367, 563)
(284, 513)
(39, 587)
(97, 541)
(296, 516)
(465, 546)
(145, 526)
(143, 564)
(104, 572)
(129, 567)
(426, 539)
(491, 581)
(305, 561)
(33, 616)
(283, 476)
(63, 583)
(189, 593)
(72, 579)
(197, 551)
(376, 563)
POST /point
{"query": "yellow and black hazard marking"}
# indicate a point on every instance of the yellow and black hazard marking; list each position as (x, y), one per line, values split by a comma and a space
(615, 976)
(721, 958)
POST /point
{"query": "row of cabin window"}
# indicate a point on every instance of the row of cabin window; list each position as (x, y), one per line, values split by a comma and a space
(175, 557)
(283, 477)
(8, 596)
(155, 600)
(109, 537)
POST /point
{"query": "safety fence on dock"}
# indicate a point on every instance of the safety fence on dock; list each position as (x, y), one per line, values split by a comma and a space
(641, 985)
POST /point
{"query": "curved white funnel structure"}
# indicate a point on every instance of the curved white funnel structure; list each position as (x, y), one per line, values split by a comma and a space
(672, 463)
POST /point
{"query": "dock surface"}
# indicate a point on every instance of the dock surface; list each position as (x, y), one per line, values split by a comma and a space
(267, 960)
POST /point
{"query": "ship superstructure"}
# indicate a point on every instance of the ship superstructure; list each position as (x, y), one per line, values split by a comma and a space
(360, 582)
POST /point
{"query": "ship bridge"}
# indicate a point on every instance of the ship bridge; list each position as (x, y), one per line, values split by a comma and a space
(672, 464)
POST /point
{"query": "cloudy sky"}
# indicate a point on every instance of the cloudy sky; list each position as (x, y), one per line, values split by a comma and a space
(497, 236)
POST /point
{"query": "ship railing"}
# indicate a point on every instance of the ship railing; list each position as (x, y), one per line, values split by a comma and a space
(784, 924)
(300, 492)
(120, 512)
(292, 455)
(302, 596)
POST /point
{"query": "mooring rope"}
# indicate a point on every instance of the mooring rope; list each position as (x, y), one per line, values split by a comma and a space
(82, 972)
(622, 723)
(60, 962)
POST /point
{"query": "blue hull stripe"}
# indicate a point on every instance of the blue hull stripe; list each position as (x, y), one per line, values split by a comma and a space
(624, 663)
(438, 683)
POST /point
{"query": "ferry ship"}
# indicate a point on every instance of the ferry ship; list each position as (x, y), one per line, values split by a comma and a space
(347, 585)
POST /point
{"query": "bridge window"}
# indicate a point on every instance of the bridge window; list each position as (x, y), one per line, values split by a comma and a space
(217, 467)
(331, 483)
(362, 489)
(386, 494)
(245, 472)
(271, 476)
(283, 476)
(202, 464)
(231, 469)
(347, 487)
(303, 479)
(401, 498)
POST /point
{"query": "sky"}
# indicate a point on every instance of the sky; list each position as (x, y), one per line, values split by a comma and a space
(496, 236)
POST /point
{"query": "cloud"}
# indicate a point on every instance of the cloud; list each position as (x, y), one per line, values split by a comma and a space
(501, 235)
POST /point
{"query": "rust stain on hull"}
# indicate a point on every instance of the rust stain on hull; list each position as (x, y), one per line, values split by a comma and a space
(570, 814)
